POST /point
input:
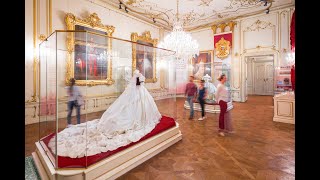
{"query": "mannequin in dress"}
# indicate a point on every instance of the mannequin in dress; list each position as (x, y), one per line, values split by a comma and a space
(200, 72)
(131, 116)
(210, 86)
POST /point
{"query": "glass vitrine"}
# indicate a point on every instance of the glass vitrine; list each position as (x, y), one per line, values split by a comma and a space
(102, 67)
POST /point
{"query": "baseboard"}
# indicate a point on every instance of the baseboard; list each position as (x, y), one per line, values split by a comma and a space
(284, 120)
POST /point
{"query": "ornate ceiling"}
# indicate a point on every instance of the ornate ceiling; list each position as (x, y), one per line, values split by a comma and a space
(195, 13)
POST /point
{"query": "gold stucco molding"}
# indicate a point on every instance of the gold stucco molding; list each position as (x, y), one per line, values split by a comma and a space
(223, 26)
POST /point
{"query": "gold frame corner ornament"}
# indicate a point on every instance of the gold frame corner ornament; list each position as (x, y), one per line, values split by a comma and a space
(145, 37)
(222, 48)
(92, 21)
(42, 37)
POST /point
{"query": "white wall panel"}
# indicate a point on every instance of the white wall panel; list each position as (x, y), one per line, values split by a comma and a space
(204, 38)
(263, 38)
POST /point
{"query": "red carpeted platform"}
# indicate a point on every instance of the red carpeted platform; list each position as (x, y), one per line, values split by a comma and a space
(67, 162)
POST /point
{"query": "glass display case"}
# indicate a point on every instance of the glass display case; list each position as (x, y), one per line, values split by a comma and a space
(219, 69)
(211, 84)
(284, 96)
(103, 68)
(226, 69)
(282, 79)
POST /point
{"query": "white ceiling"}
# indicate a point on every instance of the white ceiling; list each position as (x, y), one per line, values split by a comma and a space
(195, 13)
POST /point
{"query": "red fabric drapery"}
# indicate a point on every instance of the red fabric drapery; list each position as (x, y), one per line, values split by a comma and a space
(227, 37)
(293, 78)
(292, 32)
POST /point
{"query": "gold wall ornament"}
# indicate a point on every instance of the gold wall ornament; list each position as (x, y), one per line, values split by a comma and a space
(145, 39)
(273, 47)
(214, 28)
(222, 26)
(257, 25)
(93, 22)
(231, 24)
(42, 37)
(35, 59)
(131, 2)
(222, 48)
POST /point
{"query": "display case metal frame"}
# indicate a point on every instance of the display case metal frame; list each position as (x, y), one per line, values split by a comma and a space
(110, 167)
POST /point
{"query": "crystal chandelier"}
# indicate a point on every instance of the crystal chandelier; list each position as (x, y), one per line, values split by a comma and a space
(180, 41)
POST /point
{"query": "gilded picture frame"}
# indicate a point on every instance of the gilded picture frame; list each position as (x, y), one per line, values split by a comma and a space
(202, 64)
(142, 53)
(92, 24)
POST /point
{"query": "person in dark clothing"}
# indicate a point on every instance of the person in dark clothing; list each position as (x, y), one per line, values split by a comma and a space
(191, 94)
(201, 98)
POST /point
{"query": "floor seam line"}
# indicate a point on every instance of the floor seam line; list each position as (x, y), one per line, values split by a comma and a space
(236, 161)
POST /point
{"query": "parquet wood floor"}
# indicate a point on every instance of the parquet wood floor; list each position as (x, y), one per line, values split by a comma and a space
(260, 149)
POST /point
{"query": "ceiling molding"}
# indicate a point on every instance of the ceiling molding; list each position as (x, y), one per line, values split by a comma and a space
(164, 17)
(115, 7)
(206, 26)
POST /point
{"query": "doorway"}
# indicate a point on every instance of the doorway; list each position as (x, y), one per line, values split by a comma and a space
(260, 75)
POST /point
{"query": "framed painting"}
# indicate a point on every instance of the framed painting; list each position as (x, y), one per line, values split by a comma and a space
(202, 64)
(144, 55)
(87, 59)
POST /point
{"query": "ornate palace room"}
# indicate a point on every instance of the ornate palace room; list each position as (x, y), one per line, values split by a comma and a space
(152, 90)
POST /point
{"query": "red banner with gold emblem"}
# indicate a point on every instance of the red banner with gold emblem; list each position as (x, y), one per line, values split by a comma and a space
(222, 45)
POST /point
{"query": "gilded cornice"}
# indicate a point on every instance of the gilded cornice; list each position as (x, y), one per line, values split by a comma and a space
(223, 26)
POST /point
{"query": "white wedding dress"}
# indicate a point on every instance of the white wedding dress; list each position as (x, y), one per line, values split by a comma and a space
(210, 86)
(133, 115)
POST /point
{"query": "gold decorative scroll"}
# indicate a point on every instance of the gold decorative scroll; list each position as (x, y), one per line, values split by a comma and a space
(222, 48)
(94, 22)
(145, 37)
